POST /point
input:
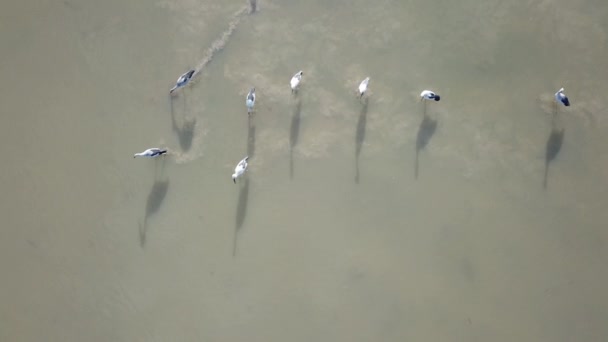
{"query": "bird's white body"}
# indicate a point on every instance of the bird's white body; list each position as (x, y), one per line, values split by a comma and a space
(295, 81)
(429, 95)
(183, 80)
(150, 153)
(250, 100)
(363, 86)
(240, 169)
(560, 97)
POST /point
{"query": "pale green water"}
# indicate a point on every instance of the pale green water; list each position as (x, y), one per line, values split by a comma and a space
(97, 246)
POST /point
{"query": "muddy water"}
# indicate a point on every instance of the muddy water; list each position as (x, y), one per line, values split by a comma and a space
(477, 218)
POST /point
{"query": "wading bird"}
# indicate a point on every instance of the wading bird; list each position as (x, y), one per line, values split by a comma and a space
(295, 81)
(240, 168)
(562, 98)
(429, 95)
(182, 80)
(250, 101)
(363, 87)
(150, 153)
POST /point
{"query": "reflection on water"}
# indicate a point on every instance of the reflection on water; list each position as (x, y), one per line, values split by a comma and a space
(473, 251)
(425, 132)
(155, 199)
(554, 145)
(250, 138)
(156, 196)
(241, 210)
(185, 130)
(360, 135)
(294, 131)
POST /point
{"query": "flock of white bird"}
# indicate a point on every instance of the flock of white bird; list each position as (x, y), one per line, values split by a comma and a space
(241, 167)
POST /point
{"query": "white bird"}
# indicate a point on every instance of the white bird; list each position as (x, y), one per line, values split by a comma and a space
(250, 100)
(363, 87)
(240, 168)
(151, 153)
(429, 95)
(295, 81)
(182, 80)
(562, 98)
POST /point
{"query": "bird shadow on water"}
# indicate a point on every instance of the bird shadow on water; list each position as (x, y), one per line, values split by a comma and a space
(293, 134)
(426, 130)
(241, 211)
(250, 138)
(155, 200)
(360, 136)
(185, 131)
(241, 207)
(553, 146)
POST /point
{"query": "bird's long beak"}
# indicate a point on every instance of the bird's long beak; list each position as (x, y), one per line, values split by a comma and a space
(234, 180)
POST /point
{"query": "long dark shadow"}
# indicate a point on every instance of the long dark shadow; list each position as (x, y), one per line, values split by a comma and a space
(251, 138)
(185, 131)
(554, 145)
(159, 167)
(425, 132)
(360, 136)
(293, 135)
(241, 211)
(155, 199)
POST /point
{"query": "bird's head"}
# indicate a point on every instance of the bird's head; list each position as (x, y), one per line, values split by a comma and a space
(234, 178)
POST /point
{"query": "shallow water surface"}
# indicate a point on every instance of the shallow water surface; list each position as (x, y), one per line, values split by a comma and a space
(475, 218)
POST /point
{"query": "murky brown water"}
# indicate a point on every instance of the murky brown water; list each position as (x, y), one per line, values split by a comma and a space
(331, 236)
